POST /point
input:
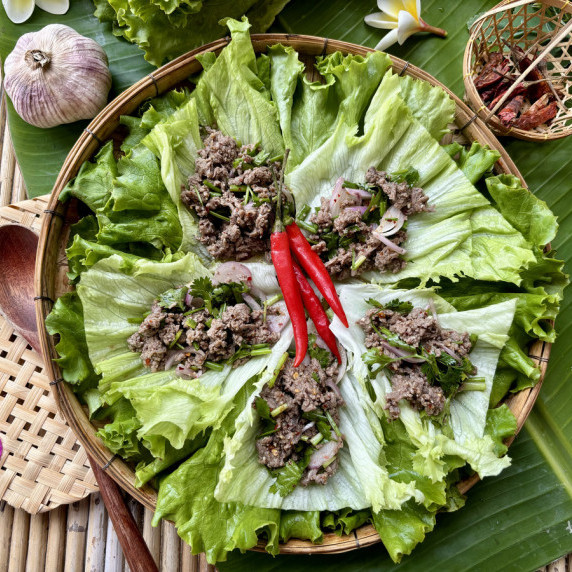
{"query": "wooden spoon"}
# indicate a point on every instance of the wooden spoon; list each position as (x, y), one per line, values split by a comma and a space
(18, 246)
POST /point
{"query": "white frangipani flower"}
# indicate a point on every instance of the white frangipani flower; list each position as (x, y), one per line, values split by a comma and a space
(20, 10)
(403, 18)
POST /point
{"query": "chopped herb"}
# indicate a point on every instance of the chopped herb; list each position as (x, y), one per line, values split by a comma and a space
(277, 370)
(316, 439)
(214, 366)
(176, 338)
(173, 298)
(304, 212)
(219, 216)
(333, 424)
(279, 409)
(212, 187)
(409, 176)
(396, 305)
(375, 357)
(288, 477)
(322, 422)
(329, 462)
(321, 354)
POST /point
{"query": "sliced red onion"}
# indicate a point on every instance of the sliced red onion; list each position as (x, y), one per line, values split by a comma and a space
(339, 196)
(387, 242)
(252, 303)
(391, 222)
(321, 343)
(451, 353)
(343, 365)
(306, 360)
(325, 454)
(308, 426)
(184, 372)
(276, 322)
(255, 291)
(173, 357)
(188, 299)
(433, 310)
(361, 210)
(403, 354)
(250, 206)
(358, 193)
(286, 192)
(334, 387)
(232, 272)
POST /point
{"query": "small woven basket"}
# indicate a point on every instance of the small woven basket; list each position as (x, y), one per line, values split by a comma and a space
(543, 30)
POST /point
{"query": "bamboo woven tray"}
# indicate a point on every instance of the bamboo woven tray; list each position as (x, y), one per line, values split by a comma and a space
(52, 265)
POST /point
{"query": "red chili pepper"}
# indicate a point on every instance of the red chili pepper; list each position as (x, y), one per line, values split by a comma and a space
(283, 264)
(317, 313)
(315, 269)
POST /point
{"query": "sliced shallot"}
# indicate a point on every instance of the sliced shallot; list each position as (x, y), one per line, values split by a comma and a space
(251, 302)
(358, 193)
(360, 210)
(387, 242)
(229, 272)
(277, 321)
(325, 454)
(173, 357)
(391, 222)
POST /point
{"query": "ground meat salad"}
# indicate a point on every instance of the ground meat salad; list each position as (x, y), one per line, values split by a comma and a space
(233, 194)
(427, 364)
(299, 409)
(361, 227)
(196, 328)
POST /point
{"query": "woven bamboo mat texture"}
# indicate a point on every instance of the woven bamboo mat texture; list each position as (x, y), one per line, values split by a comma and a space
(69, 537)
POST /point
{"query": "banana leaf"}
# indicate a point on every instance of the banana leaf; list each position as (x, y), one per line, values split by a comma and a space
(517, 521)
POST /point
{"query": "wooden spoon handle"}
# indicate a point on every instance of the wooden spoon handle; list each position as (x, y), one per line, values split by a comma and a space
(134, 548)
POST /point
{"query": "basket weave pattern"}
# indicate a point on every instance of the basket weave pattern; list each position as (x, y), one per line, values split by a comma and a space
(42, 465)
(532, 27)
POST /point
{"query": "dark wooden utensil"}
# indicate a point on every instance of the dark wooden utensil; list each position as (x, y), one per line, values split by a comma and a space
(18, 246)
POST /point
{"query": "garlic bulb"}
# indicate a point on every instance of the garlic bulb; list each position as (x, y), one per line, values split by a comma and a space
(57, 76)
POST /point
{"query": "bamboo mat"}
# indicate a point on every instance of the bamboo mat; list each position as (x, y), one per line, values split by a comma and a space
(79, 536)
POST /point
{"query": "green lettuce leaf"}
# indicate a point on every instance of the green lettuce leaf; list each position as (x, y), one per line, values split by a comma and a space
(120, 432)
(474, 162)
(230, 94)
(186, 497)
(67, 320)
(468, 410)
(165, 29)
(401, 530)
(529, 215)
(175, 141)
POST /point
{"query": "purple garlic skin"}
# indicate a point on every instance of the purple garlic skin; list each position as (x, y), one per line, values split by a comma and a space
(57, 76)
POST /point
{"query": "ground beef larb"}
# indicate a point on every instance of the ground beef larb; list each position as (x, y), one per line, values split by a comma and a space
(307, 388)
(346, 240)
(233, 197)
(417, 328)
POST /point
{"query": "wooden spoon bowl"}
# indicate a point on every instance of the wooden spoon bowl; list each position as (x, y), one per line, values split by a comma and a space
(18, 246)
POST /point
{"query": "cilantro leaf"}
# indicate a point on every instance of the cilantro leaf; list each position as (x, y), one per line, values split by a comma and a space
(373, 357)
(398, 306)
(173, 298)
(289, 476)
(321, 354)
(409, 176)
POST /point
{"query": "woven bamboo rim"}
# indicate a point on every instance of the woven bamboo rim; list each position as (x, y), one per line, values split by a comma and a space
(540, 29)
(51, 265)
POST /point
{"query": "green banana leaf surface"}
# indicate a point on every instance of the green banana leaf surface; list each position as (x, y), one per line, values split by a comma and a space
(518, 521)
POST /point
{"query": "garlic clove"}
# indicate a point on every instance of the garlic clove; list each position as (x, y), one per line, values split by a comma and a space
(54, 6)
(18, 10)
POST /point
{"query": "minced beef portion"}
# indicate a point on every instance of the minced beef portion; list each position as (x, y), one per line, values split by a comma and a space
(167, 337)
(233, 198)
(307, 388)
(419, 329)
(356, 248)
